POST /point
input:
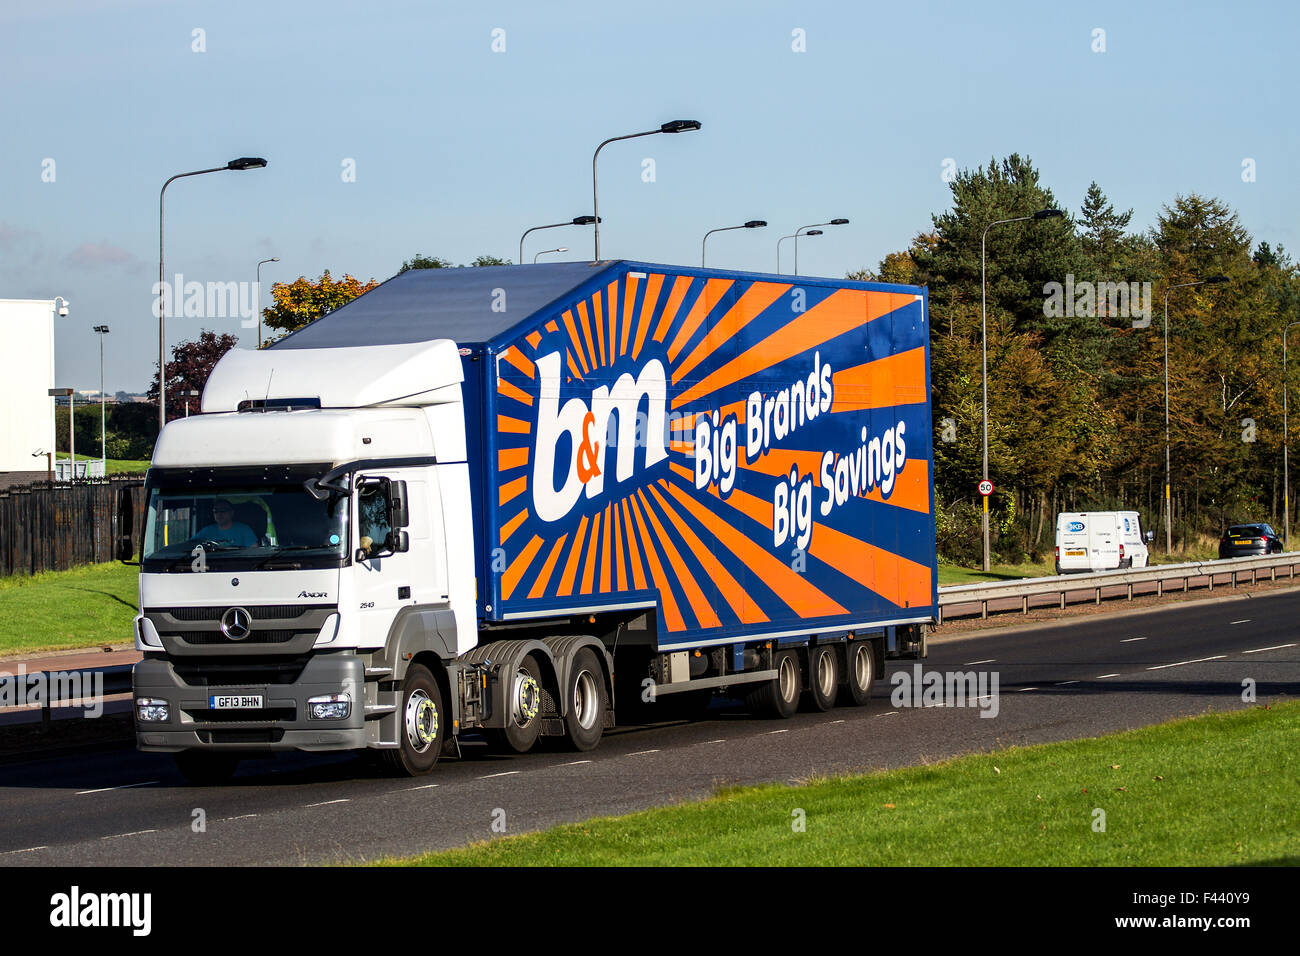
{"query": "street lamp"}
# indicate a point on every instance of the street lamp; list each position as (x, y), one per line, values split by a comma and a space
(984, 354)
(810, 232)
(575, 221)
(674, 126)
(1286, 473)
(1169, 518)
(546, 252)
(752, 224)
(72, 431)
(833, 222)
(103, 399)
(259, 296)
(244, 162)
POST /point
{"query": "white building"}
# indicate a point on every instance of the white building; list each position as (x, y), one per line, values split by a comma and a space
(26, 376)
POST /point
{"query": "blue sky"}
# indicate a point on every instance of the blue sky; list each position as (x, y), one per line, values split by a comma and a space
(458, 149)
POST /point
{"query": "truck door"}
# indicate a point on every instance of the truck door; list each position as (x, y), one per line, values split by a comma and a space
(394, 562)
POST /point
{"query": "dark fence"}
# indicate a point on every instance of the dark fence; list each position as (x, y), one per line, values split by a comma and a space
(46, 527)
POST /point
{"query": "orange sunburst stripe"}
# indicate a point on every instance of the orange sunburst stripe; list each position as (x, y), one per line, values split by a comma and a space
(533, 338)
(611, 302)
(598, 320)
(894, 380)
(648, 303)
(512, 490)
(586, 334)
(633, 554)
(672, 616)
(573, 340)
(680, 288)
(911, 490)
(747, 308)
(700, 605)
(573, 369)
(544, 576)
(512, 426)
(683, 472)
(714, 290)
(629, 301)
(510, 577)
(779, 461)
(508, 458)
(742, 605)
(898, 580)
(682, 446)
(605, 556)
(841, 311)
(519, 360)
(509, 527)
(802, 598)
(551, 326)
(748, 505)
(618, 551)
(571, 565)
(589, 570)
(513, 391)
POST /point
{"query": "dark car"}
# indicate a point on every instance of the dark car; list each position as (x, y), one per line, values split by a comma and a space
(1241, 540)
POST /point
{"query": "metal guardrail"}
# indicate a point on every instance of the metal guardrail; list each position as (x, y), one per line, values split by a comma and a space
(1063, 585)
(116, 680)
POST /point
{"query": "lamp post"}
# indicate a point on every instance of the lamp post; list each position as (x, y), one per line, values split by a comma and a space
(833, 222)
(72, 431)
(259, 296)
(810, 232)
(546, 252)
(103, 401)
(1169, 517)
(675, 126)
(575, 221)
(752, 224)
(1286, 473)
(984, 354)
(244, 162)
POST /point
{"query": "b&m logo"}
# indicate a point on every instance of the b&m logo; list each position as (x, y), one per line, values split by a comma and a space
(1074, 526)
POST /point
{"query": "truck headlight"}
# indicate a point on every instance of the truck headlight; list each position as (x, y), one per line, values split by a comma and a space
(329, 707)
(151, 710)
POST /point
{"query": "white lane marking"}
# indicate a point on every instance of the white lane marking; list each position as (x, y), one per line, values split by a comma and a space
(771, 732)
(423, 786)
(889, 713)
(1130, 640)
(1062, 683)
(642, 753)
(1104, 676)
(1275, 647)
(504, 773)
(574, 763)
(114, 836)
(1023, 689)
(125, 786)
(720, 740)
(243, 816)
(991, 660)
(28, 849)
(985, 697)
(1242, 621)
(1199, 660)
(840, 721)
(326, 803)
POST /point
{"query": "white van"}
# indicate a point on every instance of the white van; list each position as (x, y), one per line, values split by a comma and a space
(1100, 540)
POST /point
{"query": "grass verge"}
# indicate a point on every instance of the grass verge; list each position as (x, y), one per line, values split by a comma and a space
(114, 466)
(82, 607)
(1215, 790)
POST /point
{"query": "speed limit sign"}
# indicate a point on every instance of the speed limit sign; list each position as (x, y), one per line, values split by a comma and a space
(986, 487)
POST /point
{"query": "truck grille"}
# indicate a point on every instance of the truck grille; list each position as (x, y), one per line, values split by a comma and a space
(256, 637)
(258, 612)
(225, 672)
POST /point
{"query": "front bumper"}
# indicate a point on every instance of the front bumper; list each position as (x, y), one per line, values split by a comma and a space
(282, 723)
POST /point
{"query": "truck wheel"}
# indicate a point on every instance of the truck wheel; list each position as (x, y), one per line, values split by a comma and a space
(421, 725)
(206, 768)
(823, 678)
(524, 719)
(859, 674)
(779, 697)
(584, 721)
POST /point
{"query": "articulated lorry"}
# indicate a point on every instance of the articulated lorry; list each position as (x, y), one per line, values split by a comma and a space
(501, 501)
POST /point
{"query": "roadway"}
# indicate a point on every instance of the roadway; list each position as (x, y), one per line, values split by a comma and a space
(1057, 681)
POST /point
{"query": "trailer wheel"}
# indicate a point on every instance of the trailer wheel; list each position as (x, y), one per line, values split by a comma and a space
(584, 720)
(206, 768)
(779, 697)
(823, 677)
(859, 674)
(524, 701)
(421, 725)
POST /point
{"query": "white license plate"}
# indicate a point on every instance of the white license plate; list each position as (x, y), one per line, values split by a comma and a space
(234, 702)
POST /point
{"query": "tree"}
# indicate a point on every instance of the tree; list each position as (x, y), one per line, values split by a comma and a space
(297, 303)
(191, 364)
(419, 261)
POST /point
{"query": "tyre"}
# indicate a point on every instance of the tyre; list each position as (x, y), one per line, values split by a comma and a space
(585, 700)
(779, 697)
(823, 677)
(421, 725)
(206, 768)
(859, 674)
(524, 702)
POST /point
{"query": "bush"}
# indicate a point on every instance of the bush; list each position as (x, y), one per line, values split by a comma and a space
(959, 534)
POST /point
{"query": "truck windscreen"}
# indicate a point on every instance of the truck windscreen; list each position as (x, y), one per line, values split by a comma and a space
(241, 525)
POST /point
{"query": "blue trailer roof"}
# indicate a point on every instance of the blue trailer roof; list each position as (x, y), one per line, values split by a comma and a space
(458, 304)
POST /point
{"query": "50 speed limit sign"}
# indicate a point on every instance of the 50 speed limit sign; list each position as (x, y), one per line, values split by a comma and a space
(986, 487)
